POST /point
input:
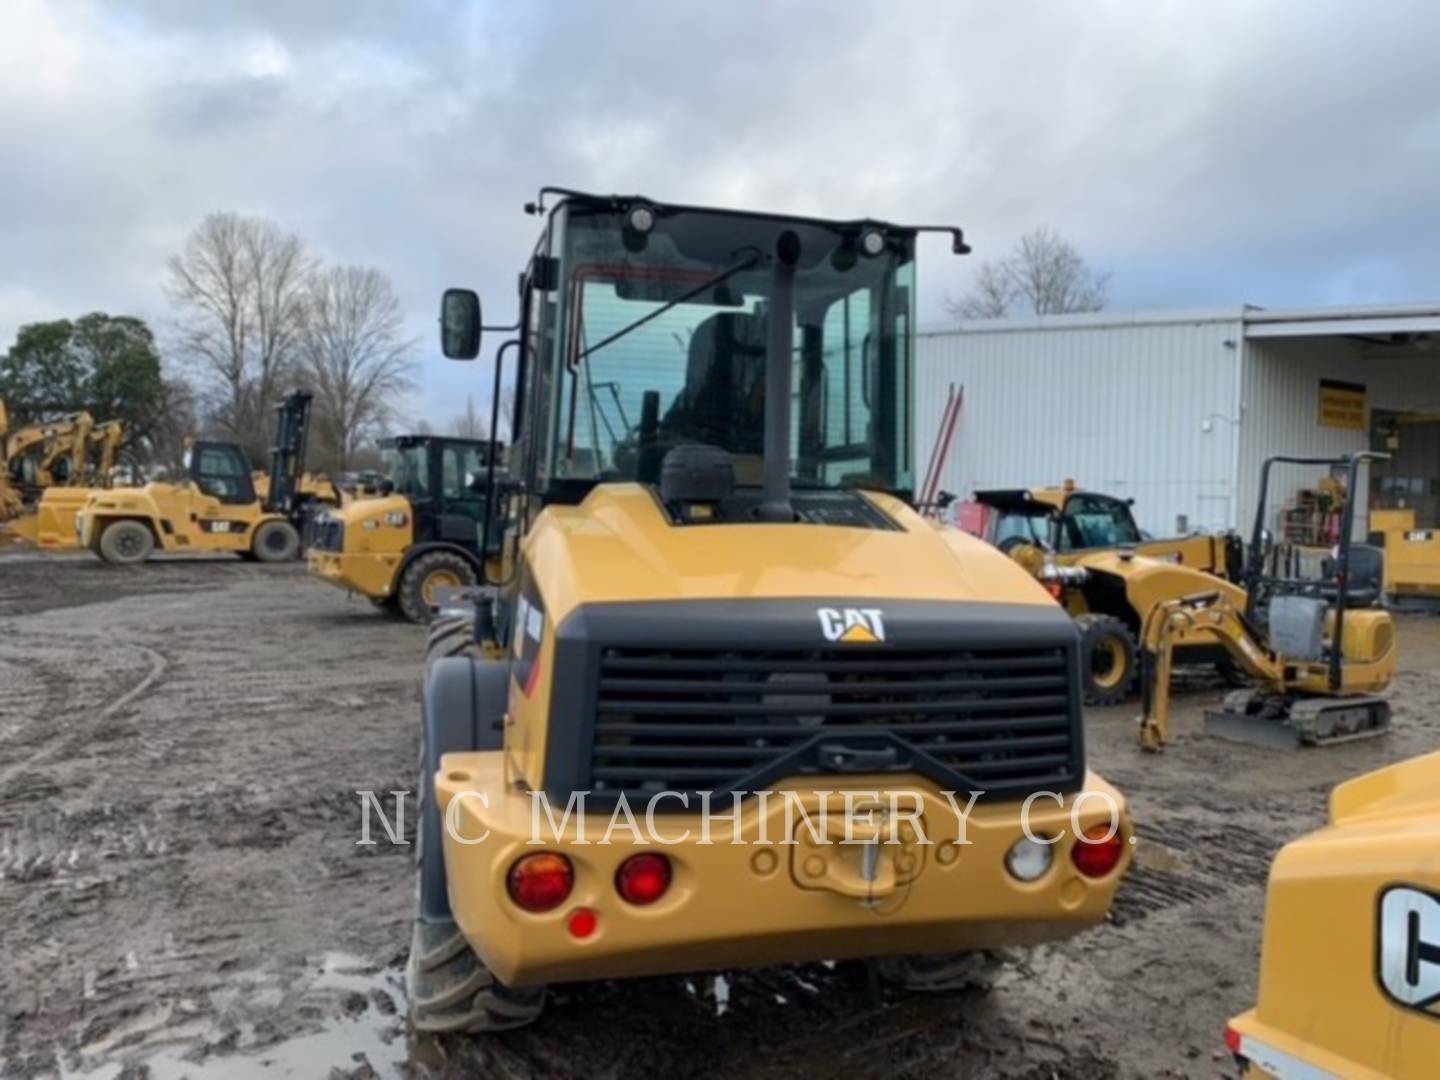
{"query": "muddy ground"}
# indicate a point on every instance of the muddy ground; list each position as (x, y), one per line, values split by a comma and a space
(181, 892)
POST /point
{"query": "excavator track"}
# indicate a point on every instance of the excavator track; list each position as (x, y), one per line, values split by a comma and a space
(1282, 722)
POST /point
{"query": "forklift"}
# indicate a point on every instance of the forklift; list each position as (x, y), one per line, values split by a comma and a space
(422, 536)
(713, 585)
(1319, 650)
(220, 507)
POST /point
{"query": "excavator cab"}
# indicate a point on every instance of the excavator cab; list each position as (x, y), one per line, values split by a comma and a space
(1317, 649)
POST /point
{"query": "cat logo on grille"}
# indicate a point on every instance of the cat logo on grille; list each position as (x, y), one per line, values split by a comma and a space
(852, 626)
(1410, 947)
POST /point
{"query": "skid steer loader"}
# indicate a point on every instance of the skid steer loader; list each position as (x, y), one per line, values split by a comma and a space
(1350, 962)
(1065, 537)
(729, 622)
(219, 508)
(1319, 650)
(421, 535)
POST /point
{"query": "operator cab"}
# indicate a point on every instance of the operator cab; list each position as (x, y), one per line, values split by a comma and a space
(444, 480)
(769, 353)
(221, 471)
(1059, 520)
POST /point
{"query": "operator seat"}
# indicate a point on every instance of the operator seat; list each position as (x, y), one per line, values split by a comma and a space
(723, 400)
(1367, 576)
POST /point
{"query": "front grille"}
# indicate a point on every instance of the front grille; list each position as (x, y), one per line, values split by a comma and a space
(998, 720)
(325, 533)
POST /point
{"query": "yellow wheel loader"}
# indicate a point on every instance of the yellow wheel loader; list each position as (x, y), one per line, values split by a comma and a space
(217, 508)
(420, 536)
(1350, 961)
(727, 625)
(1319, 650)
(1068, 538)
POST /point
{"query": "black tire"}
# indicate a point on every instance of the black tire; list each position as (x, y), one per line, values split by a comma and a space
(941, 973)
(126, 542)
(430, 571)
(450, 635)
(275, 541)
(448, 987)
(1109, 659)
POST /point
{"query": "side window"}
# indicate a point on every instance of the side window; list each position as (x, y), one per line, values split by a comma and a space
(218, 462)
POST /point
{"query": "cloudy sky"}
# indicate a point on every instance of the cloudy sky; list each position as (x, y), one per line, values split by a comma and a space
(1272, 153)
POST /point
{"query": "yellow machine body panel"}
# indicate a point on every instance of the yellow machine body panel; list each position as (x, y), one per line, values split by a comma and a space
(377, 533)
(1350, 965)
(181, 516)
(758, 893)
(617, 545)
(52, 525)
(1412, 553)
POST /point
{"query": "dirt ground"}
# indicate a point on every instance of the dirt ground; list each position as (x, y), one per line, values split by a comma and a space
(181, 893)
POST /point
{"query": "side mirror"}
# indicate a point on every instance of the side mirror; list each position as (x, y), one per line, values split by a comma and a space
(460, 324)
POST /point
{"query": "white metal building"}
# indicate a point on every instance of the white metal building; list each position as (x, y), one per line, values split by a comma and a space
(1175, 409)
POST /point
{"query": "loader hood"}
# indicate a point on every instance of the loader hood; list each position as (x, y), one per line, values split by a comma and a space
(619, 545)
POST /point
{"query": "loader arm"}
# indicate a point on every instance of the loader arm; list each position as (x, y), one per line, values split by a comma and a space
(1171, 621)
(106, 438)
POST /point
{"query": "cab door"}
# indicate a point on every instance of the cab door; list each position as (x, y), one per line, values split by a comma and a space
(462, 509)
(221, 471)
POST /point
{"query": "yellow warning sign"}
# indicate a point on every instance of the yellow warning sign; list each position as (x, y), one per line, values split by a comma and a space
(1342, 404)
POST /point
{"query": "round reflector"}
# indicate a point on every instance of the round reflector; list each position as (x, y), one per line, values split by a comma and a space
(1094, 855)
(582, 923)
(540, 882)
(643, 879)
(1028, 860)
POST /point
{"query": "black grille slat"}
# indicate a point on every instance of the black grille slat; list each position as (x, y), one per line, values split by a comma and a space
(839, 666)
(868, 708)
(706, 686)
(710, 730)
(1003, 717)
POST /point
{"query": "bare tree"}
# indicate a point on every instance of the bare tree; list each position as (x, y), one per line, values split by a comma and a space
(239, 284)
(1044, 275)
(354, 353)
(470, 424)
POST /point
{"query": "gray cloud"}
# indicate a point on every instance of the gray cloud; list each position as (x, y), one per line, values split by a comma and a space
(1206, 154)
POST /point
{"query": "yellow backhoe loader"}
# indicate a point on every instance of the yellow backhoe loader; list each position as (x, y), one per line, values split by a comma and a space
(217, 509)
(728, 621)
(420, 535)
(1350, 962)
(51, 522)
(1319, 651)
(1067, 538)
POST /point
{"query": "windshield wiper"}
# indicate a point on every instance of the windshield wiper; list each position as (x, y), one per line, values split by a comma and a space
(719, 278)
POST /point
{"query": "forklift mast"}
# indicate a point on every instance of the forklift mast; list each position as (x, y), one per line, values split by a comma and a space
(287, 456)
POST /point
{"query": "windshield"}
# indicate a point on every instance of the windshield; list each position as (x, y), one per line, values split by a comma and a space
(406, 468)
(1092, 521)
(661, 341)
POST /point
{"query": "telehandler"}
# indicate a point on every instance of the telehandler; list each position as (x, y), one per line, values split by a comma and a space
(421, 534)
(1320, 651)
(1350, 962)
(218, 508)
(728, 621)
(1062, 534)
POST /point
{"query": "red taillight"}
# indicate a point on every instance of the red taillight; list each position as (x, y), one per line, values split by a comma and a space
(1232, 1041)
(643, 879)
(1093, 855)
(1056, 591)
(583, 923)
(540, 882)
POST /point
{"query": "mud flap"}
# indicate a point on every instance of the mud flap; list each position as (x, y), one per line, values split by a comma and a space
(463, 708)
